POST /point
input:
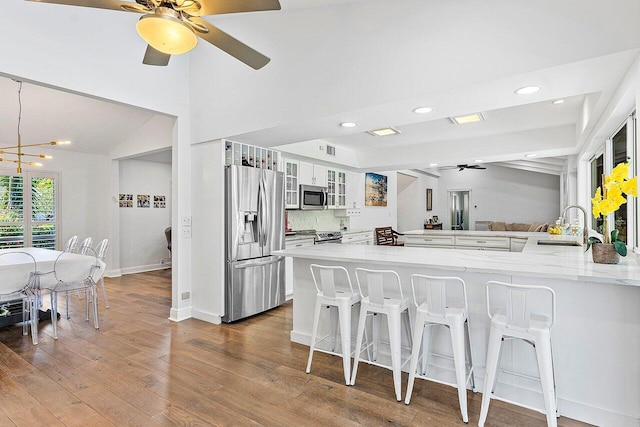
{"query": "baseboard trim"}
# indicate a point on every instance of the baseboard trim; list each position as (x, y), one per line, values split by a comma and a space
(178, 315)
(206, 316)
(143, 268)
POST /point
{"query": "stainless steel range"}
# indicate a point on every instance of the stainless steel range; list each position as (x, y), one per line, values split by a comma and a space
(323, 237)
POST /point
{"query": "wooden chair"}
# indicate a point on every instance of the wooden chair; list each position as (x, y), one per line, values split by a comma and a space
(387, 236)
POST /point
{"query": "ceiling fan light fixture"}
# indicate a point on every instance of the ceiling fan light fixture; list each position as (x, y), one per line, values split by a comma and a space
(166, 32)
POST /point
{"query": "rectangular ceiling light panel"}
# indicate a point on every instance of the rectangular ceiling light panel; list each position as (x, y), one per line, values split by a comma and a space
(384, 132)
(470, 118)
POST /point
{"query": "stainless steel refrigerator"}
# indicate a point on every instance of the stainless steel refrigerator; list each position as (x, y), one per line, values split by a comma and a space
(254, 229)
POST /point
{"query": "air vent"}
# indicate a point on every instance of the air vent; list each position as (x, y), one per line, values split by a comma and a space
(331, 150)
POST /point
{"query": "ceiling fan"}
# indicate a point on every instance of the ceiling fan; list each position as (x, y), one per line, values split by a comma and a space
(463, 167)
(172, 27)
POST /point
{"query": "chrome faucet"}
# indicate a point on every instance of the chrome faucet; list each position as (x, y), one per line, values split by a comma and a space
(585, 230)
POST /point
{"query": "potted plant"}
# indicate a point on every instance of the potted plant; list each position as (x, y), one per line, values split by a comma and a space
(605, 202)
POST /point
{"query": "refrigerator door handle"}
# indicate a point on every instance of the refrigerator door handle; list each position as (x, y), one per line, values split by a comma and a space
(262, 206)
(252, 263)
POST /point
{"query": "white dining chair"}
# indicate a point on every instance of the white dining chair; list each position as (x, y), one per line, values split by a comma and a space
(86, 244)
(70, 278)
(20, 282)
(101, 253)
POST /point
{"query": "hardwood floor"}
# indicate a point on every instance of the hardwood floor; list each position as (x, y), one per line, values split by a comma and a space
(141, 369)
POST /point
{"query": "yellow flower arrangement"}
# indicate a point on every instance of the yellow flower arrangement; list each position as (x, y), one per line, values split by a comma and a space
(609, 199)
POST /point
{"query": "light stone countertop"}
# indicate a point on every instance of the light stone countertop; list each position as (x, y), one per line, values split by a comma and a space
(562, 262)
(519, 234)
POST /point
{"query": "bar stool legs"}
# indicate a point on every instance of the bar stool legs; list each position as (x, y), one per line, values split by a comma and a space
(520, 322)
(433, 309)
(339, 301)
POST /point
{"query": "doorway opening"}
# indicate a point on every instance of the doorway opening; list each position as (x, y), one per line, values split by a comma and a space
(459, 209)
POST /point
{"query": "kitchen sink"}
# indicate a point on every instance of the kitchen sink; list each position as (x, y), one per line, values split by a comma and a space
(560, 242)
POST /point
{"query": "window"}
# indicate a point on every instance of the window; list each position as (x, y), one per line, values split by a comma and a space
(619, 145)
(597, 169)
(28, 213)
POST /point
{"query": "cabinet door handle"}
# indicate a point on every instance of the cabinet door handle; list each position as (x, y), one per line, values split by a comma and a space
(481, 241)
(428, 240)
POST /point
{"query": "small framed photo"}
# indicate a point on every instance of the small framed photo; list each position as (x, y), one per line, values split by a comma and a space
(435, 219)
(143, 201)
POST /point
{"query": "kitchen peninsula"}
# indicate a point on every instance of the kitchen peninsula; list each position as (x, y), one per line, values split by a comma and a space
(597, 334)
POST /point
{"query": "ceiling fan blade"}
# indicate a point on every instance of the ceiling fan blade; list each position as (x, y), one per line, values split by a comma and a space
(232, 46)
(155, 57)
(217, 7)
(100, 4)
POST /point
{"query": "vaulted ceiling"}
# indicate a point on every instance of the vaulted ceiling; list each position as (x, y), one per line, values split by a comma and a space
(372, 62)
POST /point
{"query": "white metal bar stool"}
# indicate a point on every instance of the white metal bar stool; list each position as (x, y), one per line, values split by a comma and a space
(517, 321)
(381, 293)
(334, 291)
(432, 309)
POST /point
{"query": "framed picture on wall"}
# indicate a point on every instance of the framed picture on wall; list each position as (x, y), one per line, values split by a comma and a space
(375, 189)
(429, 199)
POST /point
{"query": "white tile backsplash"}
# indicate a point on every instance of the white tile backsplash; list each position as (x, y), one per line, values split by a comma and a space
(321, 220)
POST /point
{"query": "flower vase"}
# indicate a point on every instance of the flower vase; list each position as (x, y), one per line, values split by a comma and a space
(604, 253)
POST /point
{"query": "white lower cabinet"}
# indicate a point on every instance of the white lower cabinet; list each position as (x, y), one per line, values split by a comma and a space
(517, 244)
(430, 241)
(288, 263)
(358, 238)
(490, 243)
(484, 243)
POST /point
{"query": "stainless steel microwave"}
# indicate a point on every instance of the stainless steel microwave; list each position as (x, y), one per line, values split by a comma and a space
(313, 197)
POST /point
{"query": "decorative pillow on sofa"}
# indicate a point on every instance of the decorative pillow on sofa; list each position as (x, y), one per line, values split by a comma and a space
(519, 226)
(497, 226)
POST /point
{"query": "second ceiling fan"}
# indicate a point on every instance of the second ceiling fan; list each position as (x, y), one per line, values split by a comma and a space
(172, 27)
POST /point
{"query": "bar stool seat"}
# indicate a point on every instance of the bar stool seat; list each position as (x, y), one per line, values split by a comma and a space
(433, 309)
(517, 321)
(334, 291)
(381, 293)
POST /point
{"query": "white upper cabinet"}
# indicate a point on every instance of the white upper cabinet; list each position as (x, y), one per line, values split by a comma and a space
(291, 184)
(336, 188)
(312, 174)
(354, 180)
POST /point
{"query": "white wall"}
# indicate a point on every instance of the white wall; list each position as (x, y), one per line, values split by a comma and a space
(95, 52)
(503, 194)
(143, 245)
(412, 201)
(375, 216)
(84, 195)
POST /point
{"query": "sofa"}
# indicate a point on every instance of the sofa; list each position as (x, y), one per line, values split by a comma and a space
(518, 226)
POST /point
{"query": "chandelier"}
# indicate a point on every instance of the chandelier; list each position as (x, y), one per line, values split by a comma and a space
(15, 151)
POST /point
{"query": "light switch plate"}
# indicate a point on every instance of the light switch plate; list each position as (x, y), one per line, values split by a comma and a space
(186, 220)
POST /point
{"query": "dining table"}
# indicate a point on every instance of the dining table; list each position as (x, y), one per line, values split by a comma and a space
(14, 269)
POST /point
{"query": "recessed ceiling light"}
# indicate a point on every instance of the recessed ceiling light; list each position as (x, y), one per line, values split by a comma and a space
(530, 155)
(422, 110)
(527, 90)
(558, 101)
(479, 161)
(433, 165)
(384, 132)
(471, 118)
(348, 125)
